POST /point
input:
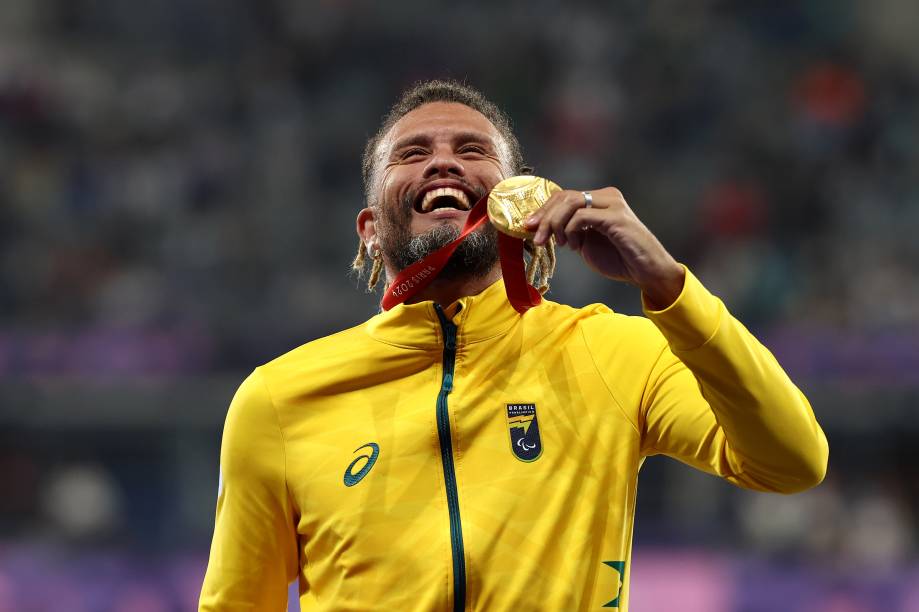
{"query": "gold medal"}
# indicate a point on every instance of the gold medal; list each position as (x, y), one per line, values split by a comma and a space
(514, 199)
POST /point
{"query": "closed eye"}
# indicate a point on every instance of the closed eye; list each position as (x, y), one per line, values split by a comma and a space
(471, 148)
(413, 152)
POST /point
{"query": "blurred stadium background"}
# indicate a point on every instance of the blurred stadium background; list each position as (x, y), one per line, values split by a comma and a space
(178, 183)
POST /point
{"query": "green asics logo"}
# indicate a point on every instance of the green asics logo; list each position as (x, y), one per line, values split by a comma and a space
(352, 477)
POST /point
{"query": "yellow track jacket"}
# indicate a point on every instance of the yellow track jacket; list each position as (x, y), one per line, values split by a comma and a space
(471, 458)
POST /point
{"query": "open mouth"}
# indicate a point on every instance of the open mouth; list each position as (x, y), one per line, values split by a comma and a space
(443, 197)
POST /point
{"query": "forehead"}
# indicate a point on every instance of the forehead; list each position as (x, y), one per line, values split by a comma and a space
(441, 120)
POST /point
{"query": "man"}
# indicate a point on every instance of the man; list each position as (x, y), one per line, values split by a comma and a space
(454, 454)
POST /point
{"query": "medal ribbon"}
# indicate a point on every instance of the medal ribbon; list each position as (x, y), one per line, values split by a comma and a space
(419, 275)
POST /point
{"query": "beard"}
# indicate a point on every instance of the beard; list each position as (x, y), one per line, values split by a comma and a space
(475, 256)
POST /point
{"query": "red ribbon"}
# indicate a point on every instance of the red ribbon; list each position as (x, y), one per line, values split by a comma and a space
(520, 293)
(419, 275)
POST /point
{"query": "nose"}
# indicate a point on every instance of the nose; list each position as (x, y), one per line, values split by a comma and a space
(444, 163)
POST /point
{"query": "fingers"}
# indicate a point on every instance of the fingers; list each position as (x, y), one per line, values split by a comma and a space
(582, 221)
(554, 216)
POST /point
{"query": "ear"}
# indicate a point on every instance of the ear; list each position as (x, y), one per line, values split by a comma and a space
(366, 228)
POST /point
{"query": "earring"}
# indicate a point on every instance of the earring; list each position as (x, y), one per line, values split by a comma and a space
(377, 269)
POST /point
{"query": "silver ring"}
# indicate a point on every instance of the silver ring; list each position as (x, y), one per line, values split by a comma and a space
(588, 199)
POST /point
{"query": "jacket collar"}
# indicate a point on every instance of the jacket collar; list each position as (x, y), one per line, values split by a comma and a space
(477, 317)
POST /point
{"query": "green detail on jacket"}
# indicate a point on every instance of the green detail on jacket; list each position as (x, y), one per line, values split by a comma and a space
(446, 455)
(619, 566)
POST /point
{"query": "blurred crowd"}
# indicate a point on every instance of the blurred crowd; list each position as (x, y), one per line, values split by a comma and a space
(184, 175)
(179, 181)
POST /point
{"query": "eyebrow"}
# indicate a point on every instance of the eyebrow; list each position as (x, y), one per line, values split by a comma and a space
(458, 138)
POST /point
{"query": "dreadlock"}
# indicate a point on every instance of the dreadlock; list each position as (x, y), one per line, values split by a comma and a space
(357, 266)
(541, 263)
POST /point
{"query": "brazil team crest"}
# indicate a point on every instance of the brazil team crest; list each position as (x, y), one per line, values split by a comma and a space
(524, 430)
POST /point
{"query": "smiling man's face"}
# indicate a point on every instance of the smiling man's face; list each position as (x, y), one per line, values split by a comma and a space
(432, 167)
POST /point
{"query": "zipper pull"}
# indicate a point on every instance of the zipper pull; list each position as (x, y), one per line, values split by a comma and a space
(448, 327)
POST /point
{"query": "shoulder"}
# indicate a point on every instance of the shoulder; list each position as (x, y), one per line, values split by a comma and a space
(629, 341)
(597, 319)
(332, 346)
(315, 364)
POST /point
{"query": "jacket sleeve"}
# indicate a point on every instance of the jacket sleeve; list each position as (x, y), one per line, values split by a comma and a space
(254, 551)
(718, 400)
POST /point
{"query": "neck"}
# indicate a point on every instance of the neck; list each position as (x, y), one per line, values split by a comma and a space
(445, 292)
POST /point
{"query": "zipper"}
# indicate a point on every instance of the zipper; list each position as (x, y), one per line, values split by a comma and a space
(446, 456)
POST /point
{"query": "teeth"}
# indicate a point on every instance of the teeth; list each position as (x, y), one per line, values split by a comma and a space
(457, 194)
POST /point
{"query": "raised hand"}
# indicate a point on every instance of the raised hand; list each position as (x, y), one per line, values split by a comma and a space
(612, 240)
